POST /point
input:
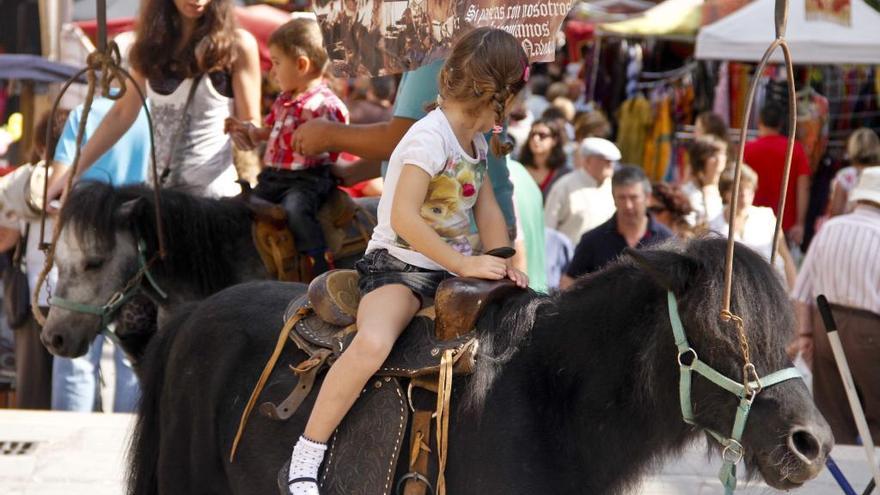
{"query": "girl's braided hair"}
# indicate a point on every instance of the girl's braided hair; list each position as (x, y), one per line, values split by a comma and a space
(487, 67)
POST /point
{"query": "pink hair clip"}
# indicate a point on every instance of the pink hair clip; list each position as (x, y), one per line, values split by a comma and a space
(497, 129)
(526, 72)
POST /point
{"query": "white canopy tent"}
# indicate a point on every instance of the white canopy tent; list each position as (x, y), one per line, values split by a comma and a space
(746, 34)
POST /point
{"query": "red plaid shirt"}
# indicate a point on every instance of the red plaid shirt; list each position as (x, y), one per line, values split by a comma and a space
(288, 113)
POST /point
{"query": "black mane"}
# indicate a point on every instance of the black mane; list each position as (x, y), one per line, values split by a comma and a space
(198, 231)
(757, 292)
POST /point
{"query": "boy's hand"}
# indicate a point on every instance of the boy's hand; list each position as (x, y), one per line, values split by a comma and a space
(240, 132)
(486, 267)
(519, 278)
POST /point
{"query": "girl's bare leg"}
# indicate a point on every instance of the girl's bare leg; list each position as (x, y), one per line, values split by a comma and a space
(383, 315)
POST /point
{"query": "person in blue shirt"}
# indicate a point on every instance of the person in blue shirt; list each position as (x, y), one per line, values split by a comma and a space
(75, 382)
(125, 163)
(375, 142)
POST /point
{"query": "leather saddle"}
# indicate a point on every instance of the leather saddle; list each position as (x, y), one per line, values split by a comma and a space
(345, 224)
(439, 343)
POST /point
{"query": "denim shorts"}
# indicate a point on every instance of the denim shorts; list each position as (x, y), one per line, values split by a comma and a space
(379, 267)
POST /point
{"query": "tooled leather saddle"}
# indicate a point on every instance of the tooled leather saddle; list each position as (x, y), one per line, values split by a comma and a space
(439, 342)
(345, 223)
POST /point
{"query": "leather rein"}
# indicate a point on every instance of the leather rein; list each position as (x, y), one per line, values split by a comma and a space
(108, 310)
(689, 362)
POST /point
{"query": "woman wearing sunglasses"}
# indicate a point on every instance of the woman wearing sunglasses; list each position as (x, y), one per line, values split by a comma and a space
(543, 154)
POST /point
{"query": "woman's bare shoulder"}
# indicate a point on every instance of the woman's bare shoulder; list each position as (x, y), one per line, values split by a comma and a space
(245, 42)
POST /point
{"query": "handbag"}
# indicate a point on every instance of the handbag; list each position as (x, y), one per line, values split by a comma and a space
(16, 293)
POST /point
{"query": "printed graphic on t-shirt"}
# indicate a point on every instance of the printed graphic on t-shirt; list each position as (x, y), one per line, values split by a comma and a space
(451, 195)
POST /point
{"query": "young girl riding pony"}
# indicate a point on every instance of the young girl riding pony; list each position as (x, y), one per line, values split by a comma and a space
(436, 181)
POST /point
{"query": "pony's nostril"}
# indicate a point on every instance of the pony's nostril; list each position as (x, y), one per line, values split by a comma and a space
(805, 444)
(57, 341)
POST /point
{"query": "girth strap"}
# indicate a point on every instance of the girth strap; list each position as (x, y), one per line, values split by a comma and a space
(270, 365)
(733, 449)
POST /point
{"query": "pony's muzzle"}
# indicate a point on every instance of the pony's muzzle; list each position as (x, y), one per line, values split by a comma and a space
(58, 345)
(810, 445)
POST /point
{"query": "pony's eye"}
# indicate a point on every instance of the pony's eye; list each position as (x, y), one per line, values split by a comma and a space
(436, 211)
(94, 264)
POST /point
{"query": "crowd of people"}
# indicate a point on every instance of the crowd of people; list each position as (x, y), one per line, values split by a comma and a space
(559, 189)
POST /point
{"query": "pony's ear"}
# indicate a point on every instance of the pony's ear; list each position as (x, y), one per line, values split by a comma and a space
(670, 270)
(129, 210)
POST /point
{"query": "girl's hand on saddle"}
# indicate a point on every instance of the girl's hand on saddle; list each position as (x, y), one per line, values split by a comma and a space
(519, 278)
(484, 266)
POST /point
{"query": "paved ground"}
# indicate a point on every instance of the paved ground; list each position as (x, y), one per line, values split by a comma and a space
(83, 454)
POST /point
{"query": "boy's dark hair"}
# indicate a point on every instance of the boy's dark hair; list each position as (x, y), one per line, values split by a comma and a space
(302, 37)
(538, 84)
(772, 116)
(628, 175)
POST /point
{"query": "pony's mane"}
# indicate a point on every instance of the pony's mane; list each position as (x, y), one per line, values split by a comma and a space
(507, 327)
(198, 231)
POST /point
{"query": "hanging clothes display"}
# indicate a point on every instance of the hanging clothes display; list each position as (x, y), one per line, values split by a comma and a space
(812, 124)
(658, 147)
(634, 119)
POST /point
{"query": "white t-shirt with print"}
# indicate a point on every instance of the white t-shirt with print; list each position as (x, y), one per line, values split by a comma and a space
(456, 177)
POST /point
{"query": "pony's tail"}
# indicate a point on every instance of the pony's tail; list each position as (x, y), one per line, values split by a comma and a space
(143, 453)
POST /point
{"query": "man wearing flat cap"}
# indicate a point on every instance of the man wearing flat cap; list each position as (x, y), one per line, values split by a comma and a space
(582, 200)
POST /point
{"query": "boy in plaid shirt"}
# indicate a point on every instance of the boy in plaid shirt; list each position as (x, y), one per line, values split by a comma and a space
(301, 184)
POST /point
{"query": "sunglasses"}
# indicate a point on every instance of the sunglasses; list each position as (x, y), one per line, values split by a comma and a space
(542, 135)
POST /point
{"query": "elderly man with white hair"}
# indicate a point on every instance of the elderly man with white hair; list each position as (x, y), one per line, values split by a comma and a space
(843, 263)
(581, 200)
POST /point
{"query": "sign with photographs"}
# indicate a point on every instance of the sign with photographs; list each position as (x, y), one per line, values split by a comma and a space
(379, 37)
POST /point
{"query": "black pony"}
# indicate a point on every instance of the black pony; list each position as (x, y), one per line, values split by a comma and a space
(209, 243)
(573, 393)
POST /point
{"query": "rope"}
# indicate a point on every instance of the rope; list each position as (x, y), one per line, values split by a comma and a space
(107, 62)
(781, 18)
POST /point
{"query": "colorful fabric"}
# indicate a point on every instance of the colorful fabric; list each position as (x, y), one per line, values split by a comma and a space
(812, 126)
(289, 112)
(658, 146)
(456, 178)
(634, 119)
(766, 155)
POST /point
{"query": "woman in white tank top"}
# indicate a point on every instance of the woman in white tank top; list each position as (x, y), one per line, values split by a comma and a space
(201, 46)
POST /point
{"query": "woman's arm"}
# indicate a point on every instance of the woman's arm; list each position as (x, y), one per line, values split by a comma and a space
(246, 79)
(369, 141)
(407, 222)
(490, 220)
(115, 123)
(837, 203)
(8, 238)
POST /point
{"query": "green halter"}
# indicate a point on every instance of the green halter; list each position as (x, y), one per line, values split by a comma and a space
(733, 448)
(108, 311)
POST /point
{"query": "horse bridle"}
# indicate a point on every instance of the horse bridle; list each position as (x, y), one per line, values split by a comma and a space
(108, 310)
(746, 392)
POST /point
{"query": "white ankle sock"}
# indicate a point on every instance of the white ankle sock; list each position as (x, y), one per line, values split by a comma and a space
(304, 463)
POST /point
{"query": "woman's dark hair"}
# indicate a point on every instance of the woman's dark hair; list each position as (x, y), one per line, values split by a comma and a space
(713, 125)
(702, 149)
(41, 148)
(211, 47)
(557, 158)
(673, 200)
